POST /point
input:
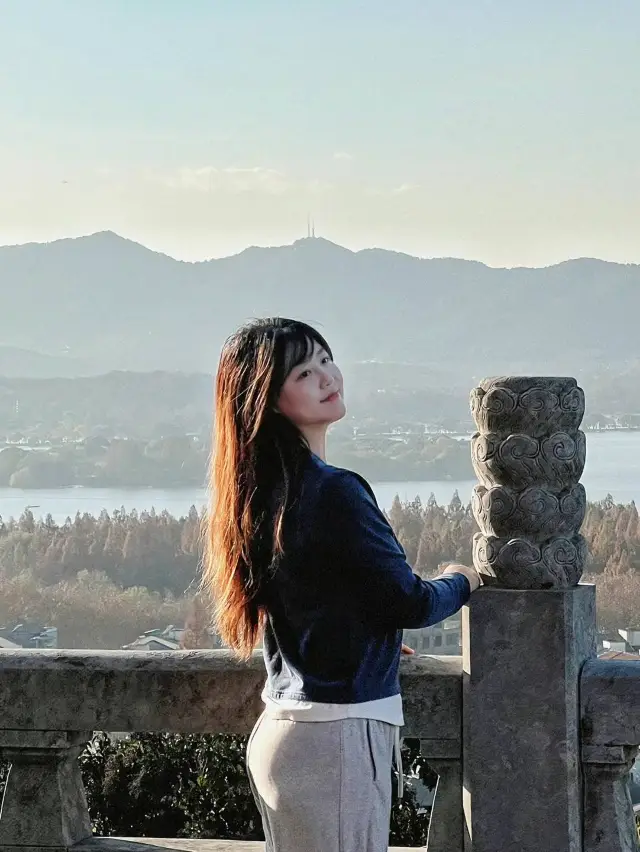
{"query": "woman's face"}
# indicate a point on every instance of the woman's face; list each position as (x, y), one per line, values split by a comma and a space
(312, 394)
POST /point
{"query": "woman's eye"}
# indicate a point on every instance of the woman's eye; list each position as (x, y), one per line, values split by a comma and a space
(304, 374)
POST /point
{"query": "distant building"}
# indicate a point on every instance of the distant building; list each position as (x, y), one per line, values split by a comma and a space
(157, 640)
(624, 641)
(631, 636)
(26, 635)
(442, 639)
(169, 639)
(446, 638)
(152, 643)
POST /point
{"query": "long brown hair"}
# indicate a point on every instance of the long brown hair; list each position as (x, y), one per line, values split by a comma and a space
(255, 463)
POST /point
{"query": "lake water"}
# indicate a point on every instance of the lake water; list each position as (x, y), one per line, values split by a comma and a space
(613, 467)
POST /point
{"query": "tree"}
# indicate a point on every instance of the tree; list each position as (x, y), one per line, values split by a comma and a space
(197, 625)
(455, 506)
(11, 459)
(631, 533)
(43, 470)
(396, 513)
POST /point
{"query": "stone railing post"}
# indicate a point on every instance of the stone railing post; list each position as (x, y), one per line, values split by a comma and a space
(527, 634)
(610, 725)
(609, 824)
(438, 703)
(446, 826)
(44, 805)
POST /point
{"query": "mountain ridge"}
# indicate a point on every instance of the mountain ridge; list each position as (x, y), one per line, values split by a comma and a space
(115, 304)
(109, 234)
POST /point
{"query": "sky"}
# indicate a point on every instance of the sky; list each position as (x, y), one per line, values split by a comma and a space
(505, 131)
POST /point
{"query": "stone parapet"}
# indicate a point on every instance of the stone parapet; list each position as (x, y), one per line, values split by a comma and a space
(194, 692)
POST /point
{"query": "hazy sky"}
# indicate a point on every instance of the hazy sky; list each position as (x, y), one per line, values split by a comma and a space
(504, 131)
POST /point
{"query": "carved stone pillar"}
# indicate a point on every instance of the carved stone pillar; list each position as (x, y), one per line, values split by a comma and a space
(529, 455)
(44, 804)
(527, 634)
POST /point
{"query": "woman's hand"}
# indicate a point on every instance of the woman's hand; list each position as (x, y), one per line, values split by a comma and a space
(470, 573)
(405, 649)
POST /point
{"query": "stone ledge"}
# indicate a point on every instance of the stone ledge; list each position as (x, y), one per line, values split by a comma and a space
(150, 844)
(187, 692)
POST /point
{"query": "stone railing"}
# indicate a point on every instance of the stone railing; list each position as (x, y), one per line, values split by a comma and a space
(532, 736)
(610, 710)
(52, 701)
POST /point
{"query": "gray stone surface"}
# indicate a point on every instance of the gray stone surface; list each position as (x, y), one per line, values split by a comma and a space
(44, 801)
(186, 692)
(535, 405)
(6, 848)
(148, 844)
(182, 691)
(151, 845)
(446, 829)
(529, 455)
(609, 824)
(144, 844)
(610, 723)
(523, 651)
(610, 703)
(432, 698)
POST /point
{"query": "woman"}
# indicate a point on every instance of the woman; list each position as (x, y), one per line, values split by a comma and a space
(299, 555)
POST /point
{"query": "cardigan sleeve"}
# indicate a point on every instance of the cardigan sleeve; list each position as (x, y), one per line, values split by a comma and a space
(362, 543)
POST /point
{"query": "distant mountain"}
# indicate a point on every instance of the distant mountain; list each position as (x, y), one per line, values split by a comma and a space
(24, 363)
(113, 304)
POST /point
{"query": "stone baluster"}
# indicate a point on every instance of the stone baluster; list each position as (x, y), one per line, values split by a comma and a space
(432, 698)
(610, 725)
(446, 827)
(527, 634)
(44, 804)
(609, 824)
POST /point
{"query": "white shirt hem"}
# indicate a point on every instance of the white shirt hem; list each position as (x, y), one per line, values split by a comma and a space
(383, 709)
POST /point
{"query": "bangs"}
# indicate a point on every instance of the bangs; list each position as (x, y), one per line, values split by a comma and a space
(294, 345)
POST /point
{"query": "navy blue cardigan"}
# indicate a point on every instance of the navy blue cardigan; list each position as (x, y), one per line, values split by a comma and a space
(342, 594)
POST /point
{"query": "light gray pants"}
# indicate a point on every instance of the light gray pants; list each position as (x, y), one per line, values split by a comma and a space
(322, 786)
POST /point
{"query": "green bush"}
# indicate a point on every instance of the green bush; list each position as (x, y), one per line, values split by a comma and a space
(170, 785)
(174, 785)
